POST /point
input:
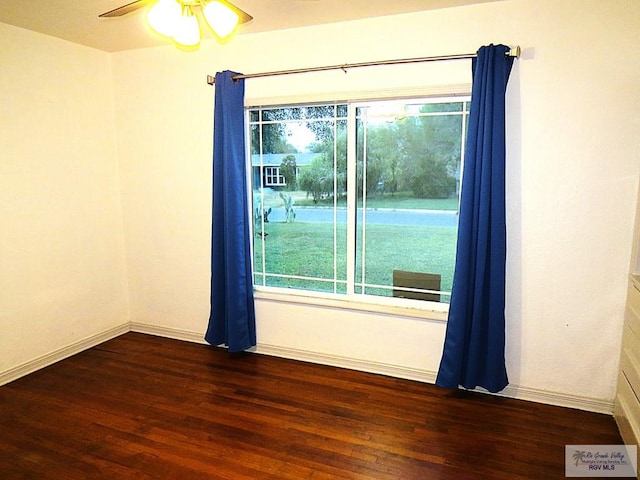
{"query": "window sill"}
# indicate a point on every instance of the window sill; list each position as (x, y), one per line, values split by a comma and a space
(417, 311)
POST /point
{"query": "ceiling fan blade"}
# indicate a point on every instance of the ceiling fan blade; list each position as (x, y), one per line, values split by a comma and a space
(124, 9)
(243, 17)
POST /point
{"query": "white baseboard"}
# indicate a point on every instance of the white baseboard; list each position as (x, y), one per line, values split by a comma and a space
(346, 362)
(596, 405)
(426, 376)
(168, 332)
(61, 353)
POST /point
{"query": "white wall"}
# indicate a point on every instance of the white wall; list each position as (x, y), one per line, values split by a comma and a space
(62, 270)
(573, 170)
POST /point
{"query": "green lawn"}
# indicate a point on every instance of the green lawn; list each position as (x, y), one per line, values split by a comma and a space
(306, 249)
(406, 201)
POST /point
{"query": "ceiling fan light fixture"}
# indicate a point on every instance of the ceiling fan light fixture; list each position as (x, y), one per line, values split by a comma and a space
(163, 16)
(221, 18)
(187, 29)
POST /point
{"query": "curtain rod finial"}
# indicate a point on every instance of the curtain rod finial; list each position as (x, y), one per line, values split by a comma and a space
(515, 52)
(211, 79)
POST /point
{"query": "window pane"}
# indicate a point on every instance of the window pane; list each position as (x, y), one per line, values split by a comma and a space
(299, 181)
(408, 182)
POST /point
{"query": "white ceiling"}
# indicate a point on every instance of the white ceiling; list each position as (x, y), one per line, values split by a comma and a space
(77, 20)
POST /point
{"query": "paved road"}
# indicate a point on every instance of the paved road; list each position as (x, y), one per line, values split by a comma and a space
(382, 216)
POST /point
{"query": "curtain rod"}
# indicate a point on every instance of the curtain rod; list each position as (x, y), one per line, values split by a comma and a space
(514, 52)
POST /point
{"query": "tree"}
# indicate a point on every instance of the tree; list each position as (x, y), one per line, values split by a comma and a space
(288, 169)
(273, 138)
(274, 133)
(317, 178)
(419, 153)
(332, 115)
(382, 158)
(429, 178)
(430, 151)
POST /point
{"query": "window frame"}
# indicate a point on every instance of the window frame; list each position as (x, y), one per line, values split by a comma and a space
(423, 309)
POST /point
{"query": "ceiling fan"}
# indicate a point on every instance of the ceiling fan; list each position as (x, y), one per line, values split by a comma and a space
(177, 19)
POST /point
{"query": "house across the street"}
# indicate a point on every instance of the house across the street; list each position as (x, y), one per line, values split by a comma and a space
(269, 164)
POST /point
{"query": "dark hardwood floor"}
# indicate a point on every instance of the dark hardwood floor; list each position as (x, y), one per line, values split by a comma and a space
(146, 407)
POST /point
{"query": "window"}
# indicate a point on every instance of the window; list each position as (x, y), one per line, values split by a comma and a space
(364, 200)
(272, 177)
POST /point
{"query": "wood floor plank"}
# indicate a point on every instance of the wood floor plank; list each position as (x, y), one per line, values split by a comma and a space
(147, 407)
